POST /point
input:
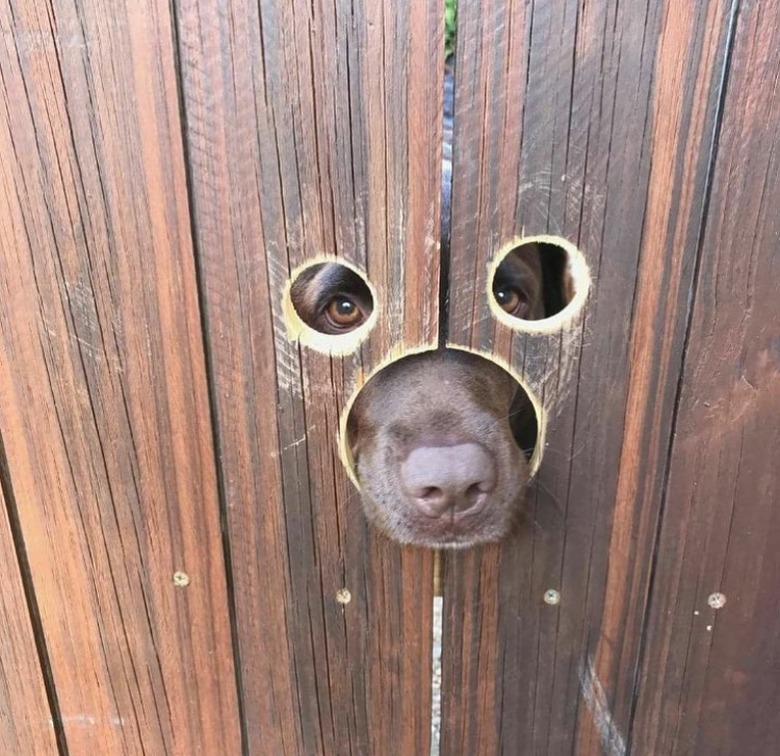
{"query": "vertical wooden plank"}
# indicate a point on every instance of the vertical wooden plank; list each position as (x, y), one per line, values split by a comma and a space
(313, 129)
(605, 140)
(711, 676)
(26, 720)
(103, 401)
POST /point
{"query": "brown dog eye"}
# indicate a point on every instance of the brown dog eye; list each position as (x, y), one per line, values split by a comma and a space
(512, 301)
(343, 314)
(332, 299)
(535, 280)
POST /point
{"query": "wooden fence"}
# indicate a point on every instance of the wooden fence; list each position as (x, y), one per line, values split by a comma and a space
(185, 565)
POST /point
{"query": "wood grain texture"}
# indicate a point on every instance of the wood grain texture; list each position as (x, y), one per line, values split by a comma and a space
(314, 129)
(103, 400)
(26, 719)
(646, 133)
(711, 678)
(605, 139)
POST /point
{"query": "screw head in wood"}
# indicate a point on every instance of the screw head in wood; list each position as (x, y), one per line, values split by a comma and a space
(552, 597)
(343, 596)
(181, 579)
(716, 600)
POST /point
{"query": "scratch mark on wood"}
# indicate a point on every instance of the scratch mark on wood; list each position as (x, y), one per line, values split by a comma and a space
(87, 720)
(612, 741)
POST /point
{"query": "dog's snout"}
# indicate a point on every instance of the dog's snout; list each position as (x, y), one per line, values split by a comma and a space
(438, 459)
(441, 479)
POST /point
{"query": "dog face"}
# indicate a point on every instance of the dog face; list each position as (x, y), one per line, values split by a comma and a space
(433, 447)
(439, 440)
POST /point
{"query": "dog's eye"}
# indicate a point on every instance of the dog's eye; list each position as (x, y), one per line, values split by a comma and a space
(342, 314)
(511, 300)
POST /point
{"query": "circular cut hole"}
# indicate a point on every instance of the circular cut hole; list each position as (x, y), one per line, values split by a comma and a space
(329, 306)
(442, 445)
(405, 395)
(537, 283)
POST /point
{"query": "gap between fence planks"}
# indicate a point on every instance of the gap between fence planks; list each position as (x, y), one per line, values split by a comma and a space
(26, 724)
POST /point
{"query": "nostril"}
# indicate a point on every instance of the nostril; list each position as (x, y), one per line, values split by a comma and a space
(431, 493)
(434, 504)
(472, 497)
(474, 491)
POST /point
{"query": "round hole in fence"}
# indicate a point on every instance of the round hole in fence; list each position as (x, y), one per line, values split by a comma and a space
(441, 444)
(406, 386)
(329, 306)
(537, 283)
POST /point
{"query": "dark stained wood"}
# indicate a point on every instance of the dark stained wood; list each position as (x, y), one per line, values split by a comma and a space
(604, 139)
(26, 721)
(646, 133)
(711, 678)
(691, 59)
(103, 398)
(313, 129)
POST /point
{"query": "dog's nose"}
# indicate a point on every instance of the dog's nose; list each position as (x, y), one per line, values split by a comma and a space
(444, 478)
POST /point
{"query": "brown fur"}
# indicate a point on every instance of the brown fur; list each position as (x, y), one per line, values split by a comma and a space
(436, 399)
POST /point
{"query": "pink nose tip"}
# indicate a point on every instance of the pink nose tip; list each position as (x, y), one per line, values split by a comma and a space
(440, 479)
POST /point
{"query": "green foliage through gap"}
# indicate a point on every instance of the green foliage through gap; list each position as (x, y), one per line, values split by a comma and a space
(450, 25)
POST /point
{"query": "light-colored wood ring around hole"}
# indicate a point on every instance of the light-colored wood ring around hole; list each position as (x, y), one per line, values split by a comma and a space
(578, 269)
(334, 344)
